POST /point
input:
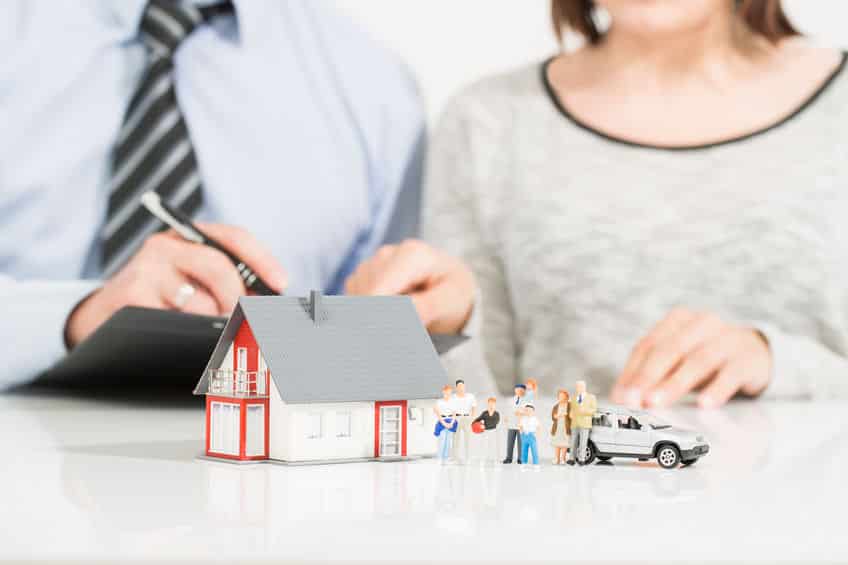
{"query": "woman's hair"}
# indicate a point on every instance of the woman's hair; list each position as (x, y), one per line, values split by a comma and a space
(765, 17)
(563, 391)
(447, 388)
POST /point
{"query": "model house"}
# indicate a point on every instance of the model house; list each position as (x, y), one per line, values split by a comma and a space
(321, 378)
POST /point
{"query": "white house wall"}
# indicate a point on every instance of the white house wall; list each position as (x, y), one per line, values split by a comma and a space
(278, 427)
(329, 446)
(419, 433)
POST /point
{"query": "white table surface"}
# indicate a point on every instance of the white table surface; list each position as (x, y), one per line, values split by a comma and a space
(84, 480)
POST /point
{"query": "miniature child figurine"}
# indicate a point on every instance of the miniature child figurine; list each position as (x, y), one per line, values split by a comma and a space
(464, 404)
(581, 409)
(528, 424)
(532, 391)
(513, 414)
(490, 419)
(446, 423)
(560, 428)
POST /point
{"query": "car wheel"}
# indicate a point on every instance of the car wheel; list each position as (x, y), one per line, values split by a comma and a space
(604, 458)
(668, 456)
(591, 452)
(686, 462)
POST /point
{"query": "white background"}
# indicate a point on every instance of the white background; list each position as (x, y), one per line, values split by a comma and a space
(449, 43)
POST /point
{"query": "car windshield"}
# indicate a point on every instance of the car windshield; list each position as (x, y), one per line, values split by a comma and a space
(655, 423)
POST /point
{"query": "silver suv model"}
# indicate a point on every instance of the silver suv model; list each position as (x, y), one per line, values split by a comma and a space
(619, 432)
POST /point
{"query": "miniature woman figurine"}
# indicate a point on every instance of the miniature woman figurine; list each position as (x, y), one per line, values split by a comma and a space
(560, 428)
(446, 424)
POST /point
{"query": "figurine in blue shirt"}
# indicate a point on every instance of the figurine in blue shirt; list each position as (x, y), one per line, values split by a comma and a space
(265, 121)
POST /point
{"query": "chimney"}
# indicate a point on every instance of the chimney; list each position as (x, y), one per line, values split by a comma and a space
(315, 305)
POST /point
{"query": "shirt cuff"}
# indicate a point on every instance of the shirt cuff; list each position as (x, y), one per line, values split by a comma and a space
(41, 310)
(788, 364)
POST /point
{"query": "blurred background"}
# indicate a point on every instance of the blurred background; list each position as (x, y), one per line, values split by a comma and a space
(435, 40)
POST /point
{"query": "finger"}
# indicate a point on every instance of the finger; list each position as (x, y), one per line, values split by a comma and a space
(727, 383)
(670, 324)
(200, 301)
(669, 352)
(699, 366)
(410, 266)
(363, 279)
(213, 270)
(246, 247)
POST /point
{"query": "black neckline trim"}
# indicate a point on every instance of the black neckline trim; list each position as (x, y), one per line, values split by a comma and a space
(549, 89)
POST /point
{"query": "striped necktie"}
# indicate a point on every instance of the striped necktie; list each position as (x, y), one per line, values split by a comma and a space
(153, 149)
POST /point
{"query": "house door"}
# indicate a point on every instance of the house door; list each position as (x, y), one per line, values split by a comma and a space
(390, 429)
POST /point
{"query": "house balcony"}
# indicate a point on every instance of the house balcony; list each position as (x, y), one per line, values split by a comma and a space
(238, 384)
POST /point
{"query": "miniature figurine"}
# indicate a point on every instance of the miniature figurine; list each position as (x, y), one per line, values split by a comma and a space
(620, 432)
(581, 409)
(528, 424)
(490, 418)
(514, 413)
(446, 423)
(560, 427)
(465, 404)
(532, 391)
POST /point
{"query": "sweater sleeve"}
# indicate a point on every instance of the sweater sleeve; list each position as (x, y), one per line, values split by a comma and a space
(803, 367)
(453, 221)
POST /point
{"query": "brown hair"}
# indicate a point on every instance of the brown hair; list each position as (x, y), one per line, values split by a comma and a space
(765, 17)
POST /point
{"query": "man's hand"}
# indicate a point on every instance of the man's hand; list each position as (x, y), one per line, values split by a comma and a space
(694, 350)
(441, 286)
(165, 263)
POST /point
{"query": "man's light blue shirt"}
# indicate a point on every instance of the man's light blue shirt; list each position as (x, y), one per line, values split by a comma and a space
(306, 133)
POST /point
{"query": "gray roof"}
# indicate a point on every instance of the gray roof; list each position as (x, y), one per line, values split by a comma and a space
(363, 348)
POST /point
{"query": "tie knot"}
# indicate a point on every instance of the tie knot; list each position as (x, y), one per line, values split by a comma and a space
(166, 23)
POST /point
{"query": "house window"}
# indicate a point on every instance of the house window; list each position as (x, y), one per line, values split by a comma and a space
(414, 415)
(343, 424)
(241, 359)
(313, 426)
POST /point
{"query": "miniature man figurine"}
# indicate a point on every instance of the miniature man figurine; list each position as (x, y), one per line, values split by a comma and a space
(582, 407)
(445, 424)
(464, 404)
(490, 419)
(528, 424)
(514, 413)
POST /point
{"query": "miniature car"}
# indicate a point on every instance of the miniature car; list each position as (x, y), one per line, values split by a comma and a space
(619, 432)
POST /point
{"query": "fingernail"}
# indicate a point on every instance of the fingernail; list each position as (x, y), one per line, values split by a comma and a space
(658, 399)
(633, 397)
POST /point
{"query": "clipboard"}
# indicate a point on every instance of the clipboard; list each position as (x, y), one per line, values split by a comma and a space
(148, 347)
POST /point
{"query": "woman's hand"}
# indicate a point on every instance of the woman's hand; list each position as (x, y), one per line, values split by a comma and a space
(441, 286)
(689, 350)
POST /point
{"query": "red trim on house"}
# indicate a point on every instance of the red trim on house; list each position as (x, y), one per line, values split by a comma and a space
(208, 422)
(403, 417)
(242, 403)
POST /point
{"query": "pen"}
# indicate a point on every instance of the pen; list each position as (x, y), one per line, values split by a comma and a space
(183, 226)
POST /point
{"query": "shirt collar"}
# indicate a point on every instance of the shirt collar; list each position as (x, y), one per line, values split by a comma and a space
(126, 14)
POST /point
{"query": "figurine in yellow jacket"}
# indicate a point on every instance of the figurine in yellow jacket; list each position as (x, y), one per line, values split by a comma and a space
(582, 407)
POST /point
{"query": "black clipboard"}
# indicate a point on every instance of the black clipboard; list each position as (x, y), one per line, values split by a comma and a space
(154, 348)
